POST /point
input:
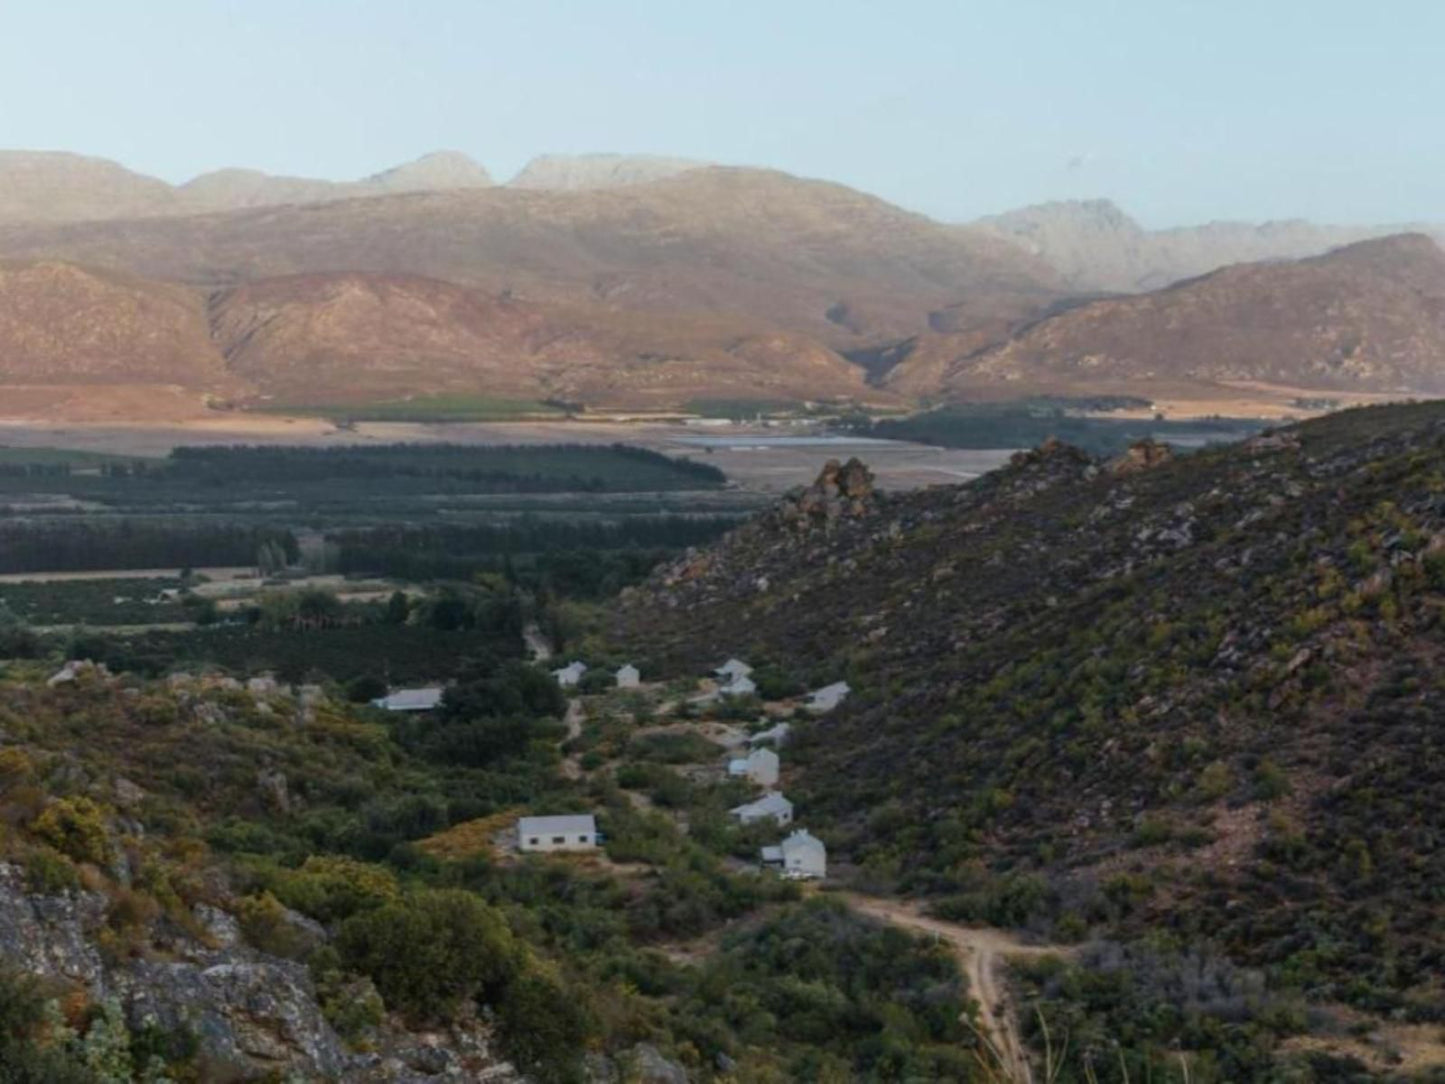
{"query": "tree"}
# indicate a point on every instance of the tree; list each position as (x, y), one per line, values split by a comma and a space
(429, 953)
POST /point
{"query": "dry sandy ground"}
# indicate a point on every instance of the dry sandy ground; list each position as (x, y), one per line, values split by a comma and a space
(764, 460)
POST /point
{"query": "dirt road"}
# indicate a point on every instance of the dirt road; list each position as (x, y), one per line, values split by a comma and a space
(571, 764)
(981, 952)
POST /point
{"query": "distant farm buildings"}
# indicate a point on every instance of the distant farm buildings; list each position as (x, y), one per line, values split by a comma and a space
(828, 697)
(770, 807)
(628, 677)
(425, 699)
(761, 766)
(775, 735)
(570, 832)
(731, 670)
(570, 675)
(801, 856)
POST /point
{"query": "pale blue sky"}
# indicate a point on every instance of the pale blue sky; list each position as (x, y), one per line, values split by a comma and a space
(1181, 110)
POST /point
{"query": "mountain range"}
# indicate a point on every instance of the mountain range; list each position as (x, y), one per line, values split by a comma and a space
(632, 280)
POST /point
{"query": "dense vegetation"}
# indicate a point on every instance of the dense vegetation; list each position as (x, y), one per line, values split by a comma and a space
(1030, 422)
(1183, 704)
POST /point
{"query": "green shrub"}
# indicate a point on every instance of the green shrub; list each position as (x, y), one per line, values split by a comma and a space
(430, 952)
(75, 827)
(330, 888)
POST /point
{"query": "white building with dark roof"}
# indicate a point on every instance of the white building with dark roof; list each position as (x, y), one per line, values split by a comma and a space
(569, 832)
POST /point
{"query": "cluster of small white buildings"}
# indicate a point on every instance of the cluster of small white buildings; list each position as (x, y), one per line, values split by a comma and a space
(627, 676)
(801, 855)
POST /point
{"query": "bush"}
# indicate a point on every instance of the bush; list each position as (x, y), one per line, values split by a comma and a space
(430, 952)
(331, 888)
(545, 1025)
(75, 827)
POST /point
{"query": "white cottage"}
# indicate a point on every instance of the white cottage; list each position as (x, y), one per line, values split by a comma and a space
(571, 832)
(774, 735)
(739, 686)
(569, 676)
(828, 697)
(761, 766)
(427, 699)
(731, 670)
(800, 857)
(628, 677)
(771, 806)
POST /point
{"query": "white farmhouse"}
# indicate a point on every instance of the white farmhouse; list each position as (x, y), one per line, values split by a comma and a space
(570, 675)
(774, 735)
(427, 699)
(739, 686)
(731, 670)
(628, 677)
(761, 766)
(572, 832)
(771, 806)
(801, 857)
(828, 697)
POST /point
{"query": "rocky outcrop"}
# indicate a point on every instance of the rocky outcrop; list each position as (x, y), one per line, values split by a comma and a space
(841, 490)
(1142, 455)
(253, 1015)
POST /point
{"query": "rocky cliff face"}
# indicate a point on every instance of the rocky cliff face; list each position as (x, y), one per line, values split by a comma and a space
(251, 1014)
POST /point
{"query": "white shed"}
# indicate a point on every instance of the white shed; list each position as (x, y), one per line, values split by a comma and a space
(774, 735)
(828, 697)
(771, 806)
(629, 677)
(739, 686)
(571, 832)
(427, 699)
(731, 670)
(570, 675)
(801, 856)
(761, 766)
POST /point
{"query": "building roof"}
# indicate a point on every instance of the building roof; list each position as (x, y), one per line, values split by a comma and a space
(574, 668)
(772, 854)
(567, 824)
(777, 733)
(801, 839)
(734, 668)
(834, 691)
(772, 802)
(412, 699)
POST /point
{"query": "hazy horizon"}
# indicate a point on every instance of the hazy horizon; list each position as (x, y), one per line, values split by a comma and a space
(1180, 113)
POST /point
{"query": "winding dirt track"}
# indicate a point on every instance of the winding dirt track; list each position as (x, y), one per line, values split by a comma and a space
(981, 951)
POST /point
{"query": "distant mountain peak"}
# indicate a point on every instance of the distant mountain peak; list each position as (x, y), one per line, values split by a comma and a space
(571, 172)
(434, 172)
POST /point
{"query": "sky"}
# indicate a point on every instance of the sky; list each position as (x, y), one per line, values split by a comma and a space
(1180, 111)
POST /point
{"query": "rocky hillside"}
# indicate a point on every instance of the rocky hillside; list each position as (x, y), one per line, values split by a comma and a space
(1095, 246)
(1367, 317)
(1191, 694)
(61, 324)
(349, 338)
(359, 337)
